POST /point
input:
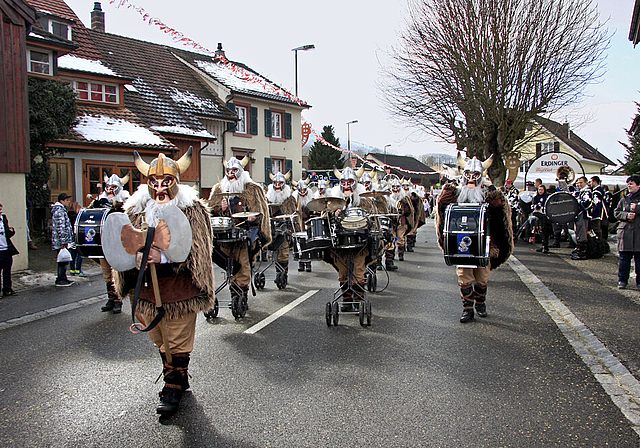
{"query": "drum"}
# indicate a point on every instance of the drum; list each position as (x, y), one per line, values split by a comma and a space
(224, 230)
(302, 252)
(88, 230)
(355, 218)
(561, 207)
(351, 239)
(318, 236)
(385, 224)
(466, 235)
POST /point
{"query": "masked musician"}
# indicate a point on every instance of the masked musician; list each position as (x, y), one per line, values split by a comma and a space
(586, 201)
(419, 218)
(112, 197)
(323, 186)
(250, 198)
(302, 195)
(278, 192)
(402, 205)
(186, 288)
(350, 190)
(475, 188)
(385, 205)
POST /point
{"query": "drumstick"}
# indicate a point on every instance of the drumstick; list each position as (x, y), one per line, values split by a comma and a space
(156, 292)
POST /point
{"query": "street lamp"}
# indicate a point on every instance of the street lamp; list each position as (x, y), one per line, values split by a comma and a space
(385, 158)
(349, 138)
(295, 51)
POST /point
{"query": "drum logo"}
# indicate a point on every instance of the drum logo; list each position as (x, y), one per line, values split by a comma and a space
(464, 244)
(89, 235)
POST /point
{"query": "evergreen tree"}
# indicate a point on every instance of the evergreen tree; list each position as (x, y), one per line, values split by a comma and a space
(52, 114)
(323, 157)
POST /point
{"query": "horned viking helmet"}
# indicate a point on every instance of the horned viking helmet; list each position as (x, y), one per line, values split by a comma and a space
(116, 182)
(474, 165)
(349, 174)
(279, 177)
(234, 163)
(163, 166)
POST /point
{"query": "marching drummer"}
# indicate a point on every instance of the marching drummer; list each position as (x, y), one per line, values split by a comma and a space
(322, 189)
(279, 194)
(112, 197)
(249, 197)
(303, 197)
(475, 188)
(350, 190)
(402, 205)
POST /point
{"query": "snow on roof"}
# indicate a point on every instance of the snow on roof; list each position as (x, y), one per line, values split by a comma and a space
(191, 99)
(181, 130)
(32, 34)
(109, 129)
(239, 79)
(85, 65)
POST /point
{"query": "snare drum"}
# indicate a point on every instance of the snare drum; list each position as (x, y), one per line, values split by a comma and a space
(318, 236)
(351, 239)
(88, 229)
(355, 218)
(466, 235)
(302, 252)
(224, 230)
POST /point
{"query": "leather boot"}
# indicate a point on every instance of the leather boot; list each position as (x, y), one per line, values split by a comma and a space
(401, 253)
(112, 297)
(581, 252)
(308, 267)
(300, 266)
(466, 292)
(174, 384)
(108, 306)
(479, 296)
(389, 265)
(117, 306)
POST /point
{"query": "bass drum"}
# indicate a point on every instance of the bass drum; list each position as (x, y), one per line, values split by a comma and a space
(88, 231)
(561, 207)
(302, 252)
(466, 236)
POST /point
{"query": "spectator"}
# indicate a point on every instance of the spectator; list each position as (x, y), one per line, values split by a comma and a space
(628, 232)
(542, 221)
(7, 251)
(76, 259)
(61, 234)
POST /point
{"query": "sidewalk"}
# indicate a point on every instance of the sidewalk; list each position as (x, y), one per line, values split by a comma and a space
(43, 269)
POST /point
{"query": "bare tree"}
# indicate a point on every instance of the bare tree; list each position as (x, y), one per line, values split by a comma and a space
(475, 72)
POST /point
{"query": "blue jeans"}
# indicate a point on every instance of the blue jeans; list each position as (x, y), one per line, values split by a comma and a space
(76, 260)
(624, 266)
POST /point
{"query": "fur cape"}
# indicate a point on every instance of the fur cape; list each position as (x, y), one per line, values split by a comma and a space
(198, 266)
(500, 228)
(254, 199)
(418, 210)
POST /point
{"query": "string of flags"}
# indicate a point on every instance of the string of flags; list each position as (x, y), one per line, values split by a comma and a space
(238, 71)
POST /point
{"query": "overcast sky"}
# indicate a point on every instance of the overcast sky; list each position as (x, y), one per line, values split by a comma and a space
(352, 39)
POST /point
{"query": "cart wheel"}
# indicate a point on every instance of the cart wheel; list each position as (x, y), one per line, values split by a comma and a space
(368, 312)
(334, 309)
(213, 312)
(361, 312)
(259, 280)
(327, 313)
(235, 306)
(281, 280)
(374, 282)
(242, 307)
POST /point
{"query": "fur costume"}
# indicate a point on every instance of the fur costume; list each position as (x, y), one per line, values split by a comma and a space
(418, 210)
(252, 197)
(500, 229)
(198, 267)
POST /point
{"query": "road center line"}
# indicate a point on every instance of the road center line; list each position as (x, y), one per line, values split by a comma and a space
(285, 309)
(616, 380)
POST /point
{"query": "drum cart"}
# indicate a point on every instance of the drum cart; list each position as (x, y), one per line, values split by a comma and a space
(281, 229)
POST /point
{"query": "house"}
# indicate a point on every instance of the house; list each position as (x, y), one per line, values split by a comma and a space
(404, 167)
(16, 19)
(138, 95)
(545, 135)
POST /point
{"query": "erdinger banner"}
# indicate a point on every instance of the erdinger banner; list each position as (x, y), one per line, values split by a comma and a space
(552, 165)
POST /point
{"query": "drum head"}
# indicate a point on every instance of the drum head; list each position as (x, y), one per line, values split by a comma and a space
(561, 207)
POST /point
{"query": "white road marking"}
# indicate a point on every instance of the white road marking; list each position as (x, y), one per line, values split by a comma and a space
(285, 309)
(616, 380)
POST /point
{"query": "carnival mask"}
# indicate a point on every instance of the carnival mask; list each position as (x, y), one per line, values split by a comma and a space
(163, 189)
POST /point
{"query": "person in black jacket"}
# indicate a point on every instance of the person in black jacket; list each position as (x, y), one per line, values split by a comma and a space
(7, 251)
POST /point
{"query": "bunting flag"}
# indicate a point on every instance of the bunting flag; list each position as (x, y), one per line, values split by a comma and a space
(238, 71)
(370, 162)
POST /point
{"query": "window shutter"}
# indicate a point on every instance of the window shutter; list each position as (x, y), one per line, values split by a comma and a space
(288, 163)
(232, 108)
(267, 123)
(267, 170)
(538, 149)
(254, 121)
(556, 146)
(287, 126)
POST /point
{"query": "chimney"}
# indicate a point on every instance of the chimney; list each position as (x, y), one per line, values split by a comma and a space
(220, 51)
(97, 17)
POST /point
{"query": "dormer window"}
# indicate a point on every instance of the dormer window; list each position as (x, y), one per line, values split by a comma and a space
(60, 29)
(96, 91)
(39, 61)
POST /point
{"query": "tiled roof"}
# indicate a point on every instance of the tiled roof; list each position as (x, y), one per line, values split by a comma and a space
(167, 92)
(569, 138)
(404, 162)
(117, 127)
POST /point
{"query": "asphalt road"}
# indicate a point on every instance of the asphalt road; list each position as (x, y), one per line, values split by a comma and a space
(415, 377)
